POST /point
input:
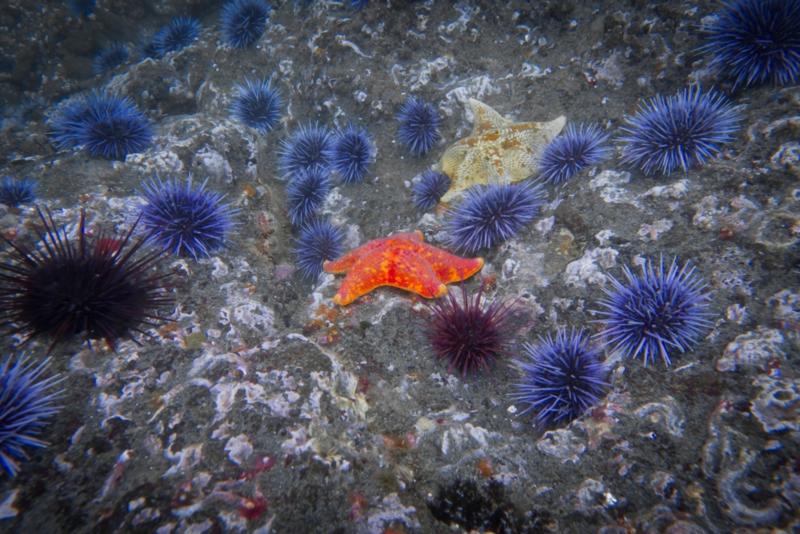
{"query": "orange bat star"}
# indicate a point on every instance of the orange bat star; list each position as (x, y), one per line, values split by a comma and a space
(402, 260)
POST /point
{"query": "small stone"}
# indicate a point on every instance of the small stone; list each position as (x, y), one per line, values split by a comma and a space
(563, 444)
(777, 406)
(752, 349)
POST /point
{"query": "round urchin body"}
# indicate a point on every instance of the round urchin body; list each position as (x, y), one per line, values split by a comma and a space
(114, 128)
(185, 219)
(469, 333)
(308, 146)
(27, 402)
(571, 152)
(244, 21)
(679, 131)
(15, 192)
(110, 58)
(563, 376)
(656, 312)
(104, 125)
(257, 105)
(177, 35)
(99, 289)
(319, 240)
(351, 153)
(306, 192)
(68, 121)
(418, 126)
(492, 214)
(755, 42)
(430, 188)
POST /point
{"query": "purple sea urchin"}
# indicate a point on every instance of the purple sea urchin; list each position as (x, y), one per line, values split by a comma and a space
(105, 125)
(114, 128)
(351, 153)
(319, 240)
(27, 401)
(572, 151)
(98, 288)
(257, 105)
(656, 312)
(492, 214)
(427, 192)
(68, 122)
(755, 42)
(184, 219)
(110, 58)
(418, 126)
(306, 192)
(15, 192)
(563, 376)
(681, 130)
(470, 334)
(244, 21)
(177, 35)
(308, 146)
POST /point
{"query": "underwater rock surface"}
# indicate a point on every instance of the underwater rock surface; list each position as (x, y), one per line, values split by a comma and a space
(262, 406)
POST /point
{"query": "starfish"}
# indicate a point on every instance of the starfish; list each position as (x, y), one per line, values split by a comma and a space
(496, 149)
(401, 260)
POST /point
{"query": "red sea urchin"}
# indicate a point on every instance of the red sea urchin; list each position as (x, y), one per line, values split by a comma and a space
(470, 334)
(99, 288)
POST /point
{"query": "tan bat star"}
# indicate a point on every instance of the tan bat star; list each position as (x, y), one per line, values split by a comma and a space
(497, 150)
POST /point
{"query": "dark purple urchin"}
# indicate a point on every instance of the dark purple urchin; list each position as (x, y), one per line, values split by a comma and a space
(755, 42)
(68, 121)
(572, 151)
(470, 334)
(114, 128)
(177, 35)
(492, 214)
(243, 22)
(27, 401)
(305, 194)
(655, 312)
(418, 127)
(110, 58)
(15, 192)
(679, 131)
(562, 377)
(105, 125)
(430, 188)
(100, 288)
(351, 153)
(308, 146)
(319, 240)
(186, 219)
(257, 105)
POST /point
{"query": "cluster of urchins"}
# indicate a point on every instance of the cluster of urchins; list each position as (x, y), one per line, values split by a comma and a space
(242, 23)
(106, 287)
(652, 314)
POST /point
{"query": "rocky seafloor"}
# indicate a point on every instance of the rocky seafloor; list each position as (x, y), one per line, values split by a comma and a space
(265, 407)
